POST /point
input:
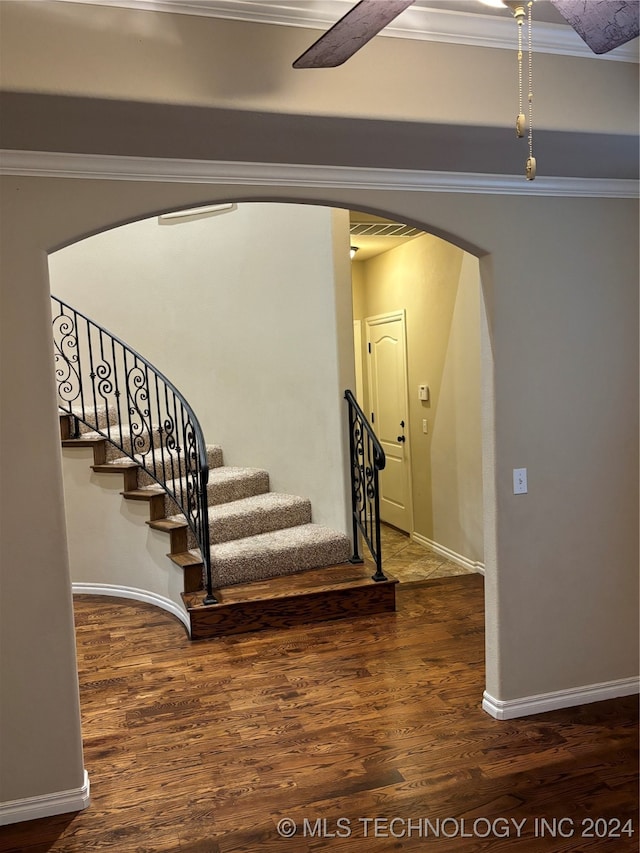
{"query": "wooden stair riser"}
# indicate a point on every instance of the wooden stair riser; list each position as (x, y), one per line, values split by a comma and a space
(299, 608)
(129, 474)
(178, 534)
(192, 570)
(65, 427)
(156, 501)
(192, 579)
(98, 445)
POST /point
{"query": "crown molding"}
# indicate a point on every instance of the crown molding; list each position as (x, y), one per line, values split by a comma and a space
(418, 22)
(47, 164)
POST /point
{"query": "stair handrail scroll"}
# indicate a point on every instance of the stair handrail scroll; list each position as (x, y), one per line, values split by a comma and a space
(367, 459)
(118, 393)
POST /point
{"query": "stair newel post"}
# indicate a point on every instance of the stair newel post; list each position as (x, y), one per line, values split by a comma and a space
(367, 460)
(204, 529)
(353, 462)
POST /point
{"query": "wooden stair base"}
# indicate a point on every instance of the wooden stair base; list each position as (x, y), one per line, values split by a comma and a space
(304, 598)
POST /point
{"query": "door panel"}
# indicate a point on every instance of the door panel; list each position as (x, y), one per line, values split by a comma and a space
(386, 339)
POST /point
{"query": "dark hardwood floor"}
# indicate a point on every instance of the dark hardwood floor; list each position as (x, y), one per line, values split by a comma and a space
(206, 747)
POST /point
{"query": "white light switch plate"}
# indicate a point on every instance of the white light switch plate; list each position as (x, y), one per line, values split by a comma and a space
(519, 481)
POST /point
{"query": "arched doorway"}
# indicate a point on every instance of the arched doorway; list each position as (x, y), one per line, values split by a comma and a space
(204, 299)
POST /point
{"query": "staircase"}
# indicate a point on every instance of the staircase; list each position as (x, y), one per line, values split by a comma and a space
(251, 558)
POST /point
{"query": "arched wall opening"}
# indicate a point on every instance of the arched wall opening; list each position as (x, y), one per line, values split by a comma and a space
(559, 325)
(247, 311)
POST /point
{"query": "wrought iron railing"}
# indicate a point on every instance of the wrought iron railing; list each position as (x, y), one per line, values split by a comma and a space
(367, 459)
(116, 392)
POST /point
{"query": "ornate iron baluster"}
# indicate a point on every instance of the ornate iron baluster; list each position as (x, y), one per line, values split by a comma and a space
(366, 460)
(173, 451)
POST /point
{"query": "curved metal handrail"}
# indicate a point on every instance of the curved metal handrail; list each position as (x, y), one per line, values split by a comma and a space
(117, 392)
(367, 460)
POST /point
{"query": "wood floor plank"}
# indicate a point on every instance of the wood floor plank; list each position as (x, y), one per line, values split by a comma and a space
(204, 748)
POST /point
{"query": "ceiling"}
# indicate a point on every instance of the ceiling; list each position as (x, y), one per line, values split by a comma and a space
(372, 235)
(468, 22)
(542, 9)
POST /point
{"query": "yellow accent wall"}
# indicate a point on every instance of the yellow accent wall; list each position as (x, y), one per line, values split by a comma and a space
(439, 287)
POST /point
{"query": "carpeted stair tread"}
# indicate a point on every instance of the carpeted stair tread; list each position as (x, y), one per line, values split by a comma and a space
(251, 516)
(118, 464)
(101, 416)
(154, 463)
(214, 457)
(229, 483)
(281, 552)
(225, 484)
(126, 438)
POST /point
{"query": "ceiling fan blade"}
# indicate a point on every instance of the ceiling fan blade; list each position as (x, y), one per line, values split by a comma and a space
(351, 32)
(602, 24)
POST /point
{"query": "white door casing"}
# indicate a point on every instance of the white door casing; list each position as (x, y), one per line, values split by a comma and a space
(357, 353)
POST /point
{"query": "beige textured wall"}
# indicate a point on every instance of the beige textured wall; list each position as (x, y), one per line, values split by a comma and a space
(561, 595)
(40, 735)
(238, 310)
(456, 444)
(439, 286)
(209, 62)
(560, 279)
(109, 540)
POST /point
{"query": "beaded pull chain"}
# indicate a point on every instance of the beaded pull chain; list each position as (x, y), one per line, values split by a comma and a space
(531, 161)
(522, 124)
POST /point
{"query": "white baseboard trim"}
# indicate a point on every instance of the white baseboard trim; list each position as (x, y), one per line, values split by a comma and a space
(136, 595)
(465, 562)
(512, 708)
(46, 805)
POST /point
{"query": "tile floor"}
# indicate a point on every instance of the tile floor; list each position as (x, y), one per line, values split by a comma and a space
(409, 561)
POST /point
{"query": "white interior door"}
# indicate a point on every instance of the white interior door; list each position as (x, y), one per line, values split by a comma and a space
(388, 400)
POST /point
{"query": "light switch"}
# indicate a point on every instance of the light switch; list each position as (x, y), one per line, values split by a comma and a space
(519, 481)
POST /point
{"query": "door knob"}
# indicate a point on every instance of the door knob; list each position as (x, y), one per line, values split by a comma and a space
(401, 438)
